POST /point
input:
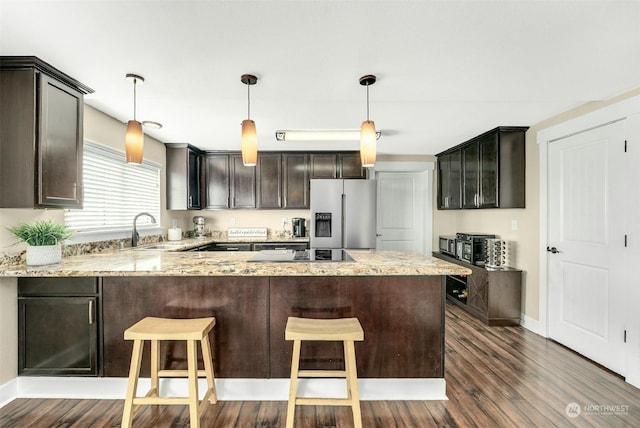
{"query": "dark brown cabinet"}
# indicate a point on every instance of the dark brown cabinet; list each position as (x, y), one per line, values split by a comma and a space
(282, 180)
(183, 177)
(41, 120)
(449, 180)
(217, 180)
(58, 326)
(336, 165)
(295, 180)
(491, 295)
(492, 170)
(269, 180)
(243, 183)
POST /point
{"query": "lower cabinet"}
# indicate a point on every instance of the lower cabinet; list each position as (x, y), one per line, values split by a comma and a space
(58, 326)
(491, 295)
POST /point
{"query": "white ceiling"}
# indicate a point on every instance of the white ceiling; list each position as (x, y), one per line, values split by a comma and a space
(447, 70)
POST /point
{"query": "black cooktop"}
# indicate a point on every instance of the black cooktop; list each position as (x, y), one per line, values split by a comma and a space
(311, 255)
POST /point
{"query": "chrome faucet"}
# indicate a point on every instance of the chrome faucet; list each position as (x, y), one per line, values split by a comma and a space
(134, 232)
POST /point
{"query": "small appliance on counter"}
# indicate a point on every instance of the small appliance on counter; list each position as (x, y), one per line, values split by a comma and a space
(447, 245)
(496, 253)
(175, 233)
(299, 227)
(470, 247)
(199, 229)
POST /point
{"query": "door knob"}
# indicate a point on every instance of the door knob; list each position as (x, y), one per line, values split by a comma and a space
(553, 250)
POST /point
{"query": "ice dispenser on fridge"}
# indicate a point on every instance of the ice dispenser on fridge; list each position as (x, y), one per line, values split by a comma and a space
(323, 225)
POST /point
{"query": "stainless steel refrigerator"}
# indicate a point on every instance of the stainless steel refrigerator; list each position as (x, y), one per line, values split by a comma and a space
(343, 213)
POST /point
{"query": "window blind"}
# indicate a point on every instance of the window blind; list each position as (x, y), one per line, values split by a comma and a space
(114, 192)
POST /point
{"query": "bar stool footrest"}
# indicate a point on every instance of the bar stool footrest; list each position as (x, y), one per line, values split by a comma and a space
(322, 373)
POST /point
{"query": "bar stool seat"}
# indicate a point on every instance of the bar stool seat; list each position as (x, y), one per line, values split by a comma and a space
(156, 329)
(346, 330)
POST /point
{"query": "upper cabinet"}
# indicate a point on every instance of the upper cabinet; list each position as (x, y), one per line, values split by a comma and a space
(183, 177)
(295, 180)
(449, 180)
(243, 183)
(41, 120)
(490, 168)
(282, 180)
(337, 165)
(217, 180)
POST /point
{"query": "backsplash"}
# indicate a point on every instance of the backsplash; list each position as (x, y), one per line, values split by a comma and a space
(114, 244)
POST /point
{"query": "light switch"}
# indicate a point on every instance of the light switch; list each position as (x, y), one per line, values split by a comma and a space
(514, 224)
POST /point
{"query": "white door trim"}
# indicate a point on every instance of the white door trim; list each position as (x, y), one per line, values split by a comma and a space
(427, 168)
(614, 112)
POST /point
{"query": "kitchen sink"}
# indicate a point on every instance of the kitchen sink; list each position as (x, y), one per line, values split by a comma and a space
(159, 247)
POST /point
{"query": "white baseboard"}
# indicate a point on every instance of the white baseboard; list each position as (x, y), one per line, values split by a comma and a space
(532, 325)
(8, 391)
(227, 389)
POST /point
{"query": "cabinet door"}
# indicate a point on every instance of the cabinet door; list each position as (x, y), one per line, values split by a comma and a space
(488, 158)
(449, 174)
(478, 289)
(269, 180)
(243, 183)
(193, 181)
(295, 184)
(57, 336)
(350, 166)
(183, 177)
(60, 145)
(470, 175)
(217, 180)
(324, 165)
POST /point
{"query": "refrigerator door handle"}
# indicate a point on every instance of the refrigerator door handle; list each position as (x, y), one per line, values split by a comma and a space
(343, 244)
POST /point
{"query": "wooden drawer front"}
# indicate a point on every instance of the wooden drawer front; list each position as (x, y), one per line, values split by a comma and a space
(76, 286)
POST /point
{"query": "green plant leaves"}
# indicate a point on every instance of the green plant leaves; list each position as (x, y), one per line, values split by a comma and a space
(41, 232)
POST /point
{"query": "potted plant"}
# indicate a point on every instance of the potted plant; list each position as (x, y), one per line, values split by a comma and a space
(44, 239)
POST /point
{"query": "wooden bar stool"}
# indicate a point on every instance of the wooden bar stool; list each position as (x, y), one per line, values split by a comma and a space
(155, 330)
(346, 330)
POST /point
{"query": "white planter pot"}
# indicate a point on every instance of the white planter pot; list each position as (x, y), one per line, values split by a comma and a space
(44, 254)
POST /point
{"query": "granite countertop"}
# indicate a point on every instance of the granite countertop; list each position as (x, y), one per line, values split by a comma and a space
(163, 262)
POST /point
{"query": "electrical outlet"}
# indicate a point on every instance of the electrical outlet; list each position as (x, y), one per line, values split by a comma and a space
(232, 221)
(514, 224)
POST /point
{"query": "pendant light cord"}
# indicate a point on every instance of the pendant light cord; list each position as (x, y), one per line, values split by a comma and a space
(134, 97)
(367, 102)
(248, 102)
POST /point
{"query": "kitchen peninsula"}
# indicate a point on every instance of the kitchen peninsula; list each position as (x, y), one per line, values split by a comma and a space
(398, 298)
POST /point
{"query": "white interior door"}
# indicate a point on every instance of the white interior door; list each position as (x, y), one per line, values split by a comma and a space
(401, 211)
(586, 277)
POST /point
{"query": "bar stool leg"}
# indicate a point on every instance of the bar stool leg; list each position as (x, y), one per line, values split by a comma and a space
(295, 362)
(132, 385)
(352, 381)
(155, 364)
(208, 369)
(193, 383)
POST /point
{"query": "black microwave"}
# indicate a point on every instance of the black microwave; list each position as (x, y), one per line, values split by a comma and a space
(471, 247)
(448, 245)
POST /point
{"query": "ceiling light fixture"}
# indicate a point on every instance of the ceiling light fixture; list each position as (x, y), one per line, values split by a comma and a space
(151, 124)
(304, 135)
(249, 142)
(134, 139)
(368, 130)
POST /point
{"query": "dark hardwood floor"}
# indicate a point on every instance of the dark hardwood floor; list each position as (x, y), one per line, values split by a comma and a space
(496, 377)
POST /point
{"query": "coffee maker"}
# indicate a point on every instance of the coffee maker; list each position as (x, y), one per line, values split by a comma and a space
(299, 227)
(198, 230)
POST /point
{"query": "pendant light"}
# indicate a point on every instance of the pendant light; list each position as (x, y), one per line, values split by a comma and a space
(249, 142)
(368, 130)
(134, 139)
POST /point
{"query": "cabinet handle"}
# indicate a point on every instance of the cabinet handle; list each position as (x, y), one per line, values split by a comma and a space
(91, 312)
(190, 201)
